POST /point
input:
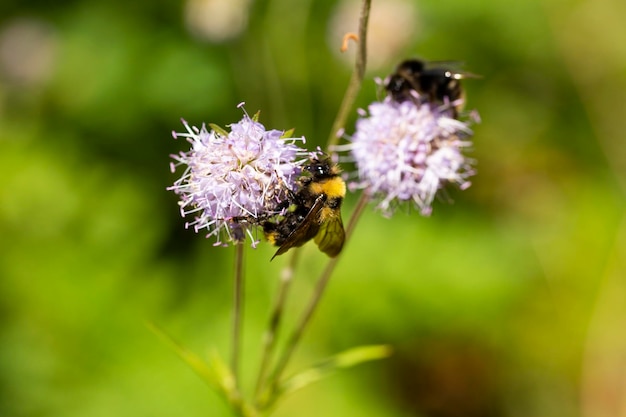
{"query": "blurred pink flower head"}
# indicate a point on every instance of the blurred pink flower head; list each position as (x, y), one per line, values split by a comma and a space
(408, 151)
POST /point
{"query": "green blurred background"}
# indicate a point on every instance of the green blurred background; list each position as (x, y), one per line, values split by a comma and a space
(510, 301)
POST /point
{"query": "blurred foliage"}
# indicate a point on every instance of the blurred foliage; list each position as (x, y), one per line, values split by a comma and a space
(508, 302)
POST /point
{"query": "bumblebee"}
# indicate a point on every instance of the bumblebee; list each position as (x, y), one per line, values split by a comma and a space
(436, 82)
(313, 211)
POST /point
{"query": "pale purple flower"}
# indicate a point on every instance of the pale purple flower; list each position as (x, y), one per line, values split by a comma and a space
(407, 152)
(235, 179)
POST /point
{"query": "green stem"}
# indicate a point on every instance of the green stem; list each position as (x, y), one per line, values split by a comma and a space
(342, 115)
(237, 312)
(269, 342)
(356, 214)
(355, 80)
(317, 296)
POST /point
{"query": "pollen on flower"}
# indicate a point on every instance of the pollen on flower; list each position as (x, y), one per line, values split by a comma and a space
(408, 151)
(234, 179)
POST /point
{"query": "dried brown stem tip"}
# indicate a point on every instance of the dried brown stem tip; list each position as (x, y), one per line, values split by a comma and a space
(346, 38)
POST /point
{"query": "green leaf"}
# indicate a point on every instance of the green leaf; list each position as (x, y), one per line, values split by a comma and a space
(225, 377)
(256, 116)
(193, 360)
(218, 129)
(327, 367)
(288, 133)
(216, 374)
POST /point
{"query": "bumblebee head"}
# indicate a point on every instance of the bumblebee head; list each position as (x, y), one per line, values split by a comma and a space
(404, 82)
(321, 168)
(410, 67)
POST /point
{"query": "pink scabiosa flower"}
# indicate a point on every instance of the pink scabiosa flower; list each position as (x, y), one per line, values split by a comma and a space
(408, 151)
(235, 179)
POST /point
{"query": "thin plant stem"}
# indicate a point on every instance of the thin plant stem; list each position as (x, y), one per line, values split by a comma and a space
(355, 80)
(342, 115)
(356, 214)
(271, 335)
(270, 339)
(237, 311)
(317, 296)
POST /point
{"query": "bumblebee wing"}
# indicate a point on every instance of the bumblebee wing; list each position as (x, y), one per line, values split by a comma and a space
(305, 231)
(454, 67)
(331, 236)
(450, 63)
